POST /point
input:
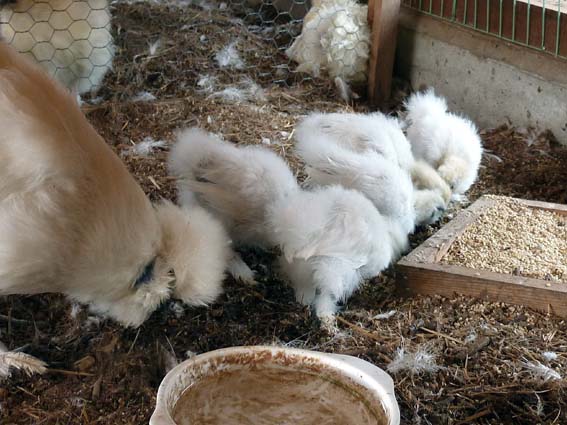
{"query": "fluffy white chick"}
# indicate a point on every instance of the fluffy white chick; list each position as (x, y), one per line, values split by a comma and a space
(235, 184)
(73, 220)
(361, 133)
(71, 40)
(370, 153)
(385, 184)
(335, 39)
(331, 239)
(448, 142)
(331, 231)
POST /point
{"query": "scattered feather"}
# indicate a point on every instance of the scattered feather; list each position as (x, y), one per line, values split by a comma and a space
(75, 310)
(190, 354)
(417, 362)
(493, 156)
(531, 135)
(231, 95)
(203, 38)
(10, 360)
(345, 92)
(96, 101)
(166, 359)
(144, 96)
(549, 355)
(384, 316)
(246, 91)
(539, 406)
(154, 47)
(177, 309)
(145, 147)
(228, 57)
(203, 4)
(266, 141)
(541, 372)
(92, 322)
(206, 83)
(77, 401)
(471, 337)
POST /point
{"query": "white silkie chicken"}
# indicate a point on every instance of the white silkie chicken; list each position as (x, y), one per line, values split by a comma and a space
(235, 184)
(448, 142)
(370, 153)
(73, 220)
(334, 40)
(331, 238)
(71, 39)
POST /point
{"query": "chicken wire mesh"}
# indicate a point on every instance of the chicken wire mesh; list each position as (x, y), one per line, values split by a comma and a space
(71, 39)
(318, 38)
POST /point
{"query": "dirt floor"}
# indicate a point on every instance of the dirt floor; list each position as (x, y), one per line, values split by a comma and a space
(485, 363)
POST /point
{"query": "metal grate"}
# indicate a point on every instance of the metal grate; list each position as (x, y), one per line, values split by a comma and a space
(537, 24)
(70, 39)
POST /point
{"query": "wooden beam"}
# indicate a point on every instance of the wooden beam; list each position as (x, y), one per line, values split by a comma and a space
(447, 281)
(383, 16)
(371, 5)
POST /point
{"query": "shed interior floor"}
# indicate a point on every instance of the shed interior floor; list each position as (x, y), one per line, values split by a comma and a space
(492, 366)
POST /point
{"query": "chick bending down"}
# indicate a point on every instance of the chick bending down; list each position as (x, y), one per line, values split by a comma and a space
(370, 153)
(73, 220)
(448, 142)
(235, 184)
(331, 238)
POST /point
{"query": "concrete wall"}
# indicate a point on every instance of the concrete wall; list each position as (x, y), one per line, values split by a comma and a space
(491, 81)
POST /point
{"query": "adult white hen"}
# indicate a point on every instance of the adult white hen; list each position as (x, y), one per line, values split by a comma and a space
(70, 39)
(335, 39)
(73, 220)
(370, 153)
(448, 142)
(331, 238)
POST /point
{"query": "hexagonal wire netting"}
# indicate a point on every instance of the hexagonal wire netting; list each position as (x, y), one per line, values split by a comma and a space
(319, 37)
(70, 39)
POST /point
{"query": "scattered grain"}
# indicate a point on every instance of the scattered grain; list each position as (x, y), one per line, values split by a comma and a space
(514, 239)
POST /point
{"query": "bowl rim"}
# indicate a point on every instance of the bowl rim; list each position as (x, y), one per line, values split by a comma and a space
(360, 371)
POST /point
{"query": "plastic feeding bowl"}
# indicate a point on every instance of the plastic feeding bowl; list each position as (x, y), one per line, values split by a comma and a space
(274, 385)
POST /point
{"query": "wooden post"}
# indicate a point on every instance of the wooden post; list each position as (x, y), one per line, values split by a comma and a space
(383, 16)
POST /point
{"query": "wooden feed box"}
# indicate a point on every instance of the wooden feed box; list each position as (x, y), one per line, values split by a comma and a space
(420, 272)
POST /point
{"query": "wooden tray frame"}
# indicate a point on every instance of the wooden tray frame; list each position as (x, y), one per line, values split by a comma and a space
(420, 272)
